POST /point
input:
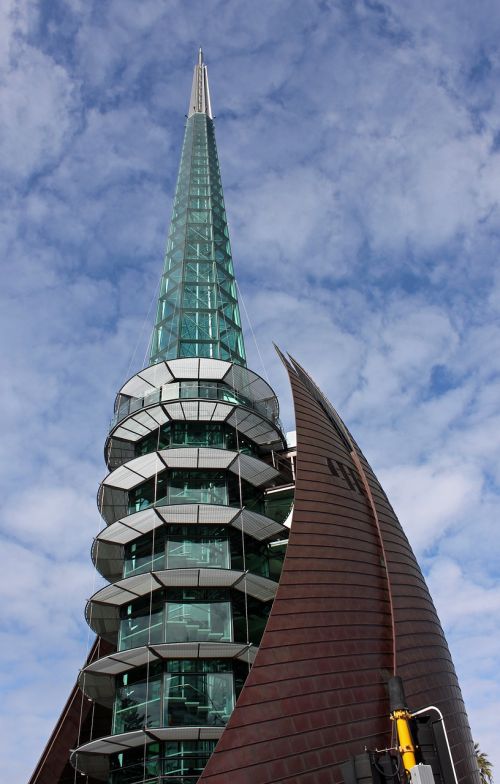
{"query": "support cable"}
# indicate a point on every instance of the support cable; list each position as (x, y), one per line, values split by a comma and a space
(142, 329)
(241, 297)
(240, 484)
(88, 647)
(146, 710)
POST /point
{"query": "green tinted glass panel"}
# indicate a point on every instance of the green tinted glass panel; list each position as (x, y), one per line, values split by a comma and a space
(197, 487)
(198, 699)
(138, 700)
(182, 553)
(198, 621)
(180, 547)
(141, 623)
(194, 433)
(194, 487)
(193, 319)
(192, 615)
(136, 765)
(145, 555)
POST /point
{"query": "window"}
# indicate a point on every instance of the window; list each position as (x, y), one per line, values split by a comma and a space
(192, 551)
(192, 615)
(198, 698)
(181, 486)
(192, 692)
(197, 487)
(200, 546)
(147, 493)
(141, 623)
(145, 554)
(193, 620)
(181, 762)
(138, 699)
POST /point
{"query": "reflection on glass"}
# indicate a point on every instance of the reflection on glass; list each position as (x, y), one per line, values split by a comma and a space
(181, 762)
(181, 486)
(147, 493)
(195, 692)
(203, 552)
(137, 702)
(198, 622)
(198, 699)
(134, 765)
(185, 546)
(141, 624)
(145, 555)
(184, 761)
(197, 487)
(178, 547)
(192, 615)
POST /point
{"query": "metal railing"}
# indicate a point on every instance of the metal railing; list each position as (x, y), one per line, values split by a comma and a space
(182, 390)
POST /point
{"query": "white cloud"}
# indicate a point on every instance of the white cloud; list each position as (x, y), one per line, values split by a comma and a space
(39, 100)
(462, 598)
(430, 498)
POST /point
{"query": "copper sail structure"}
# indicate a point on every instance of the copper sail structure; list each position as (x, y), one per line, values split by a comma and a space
(214, 660)
(352, 608)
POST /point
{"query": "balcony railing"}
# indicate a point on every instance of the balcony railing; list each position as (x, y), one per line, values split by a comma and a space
(182, 390)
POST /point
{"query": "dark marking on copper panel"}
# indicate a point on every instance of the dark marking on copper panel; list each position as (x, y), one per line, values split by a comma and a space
(317, 692)
(331, 465)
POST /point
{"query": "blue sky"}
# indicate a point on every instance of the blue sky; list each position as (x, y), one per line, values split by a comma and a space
(360, 155)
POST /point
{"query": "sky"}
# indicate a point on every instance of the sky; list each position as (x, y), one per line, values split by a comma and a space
(359, 144)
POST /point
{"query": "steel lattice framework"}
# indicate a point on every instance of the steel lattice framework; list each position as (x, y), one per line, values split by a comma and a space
(198, 313)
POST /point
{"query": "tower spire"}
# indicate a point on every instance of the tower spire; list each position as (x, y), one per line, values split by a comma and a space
(200, 93)
(198, 313)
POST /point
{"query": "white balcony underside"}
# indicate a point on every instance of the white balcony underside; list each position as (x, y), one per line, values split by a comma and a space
(239, 378)
(107, 550)
(102, 612)
(92, 759)
(97, 680)
(250, 424)
(131, 474)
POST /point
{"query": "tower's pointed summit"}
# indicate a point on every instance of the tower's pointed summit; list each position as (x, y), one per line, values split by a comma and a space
(198, 313)
(200, 93)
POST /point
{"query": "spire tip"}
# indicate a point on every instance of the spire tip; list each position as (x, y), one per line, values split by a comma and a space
(200, 93)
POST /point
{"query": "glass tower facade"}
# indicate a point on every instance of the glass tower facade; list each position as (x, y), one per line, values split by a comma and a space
(198, 313)
(194, 505)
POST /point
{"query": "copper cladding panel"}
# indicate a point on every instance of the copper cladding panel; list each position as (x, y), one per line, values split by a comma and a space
(316, 693)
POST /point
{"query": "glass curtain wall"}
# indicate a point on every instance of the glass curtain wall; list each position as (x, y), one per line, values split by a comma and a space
(192, 692)
(177, 762)
(216, 435)
(197, 316)
(192, 615)
(197, 546)
(198, 313)
(182, 486)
